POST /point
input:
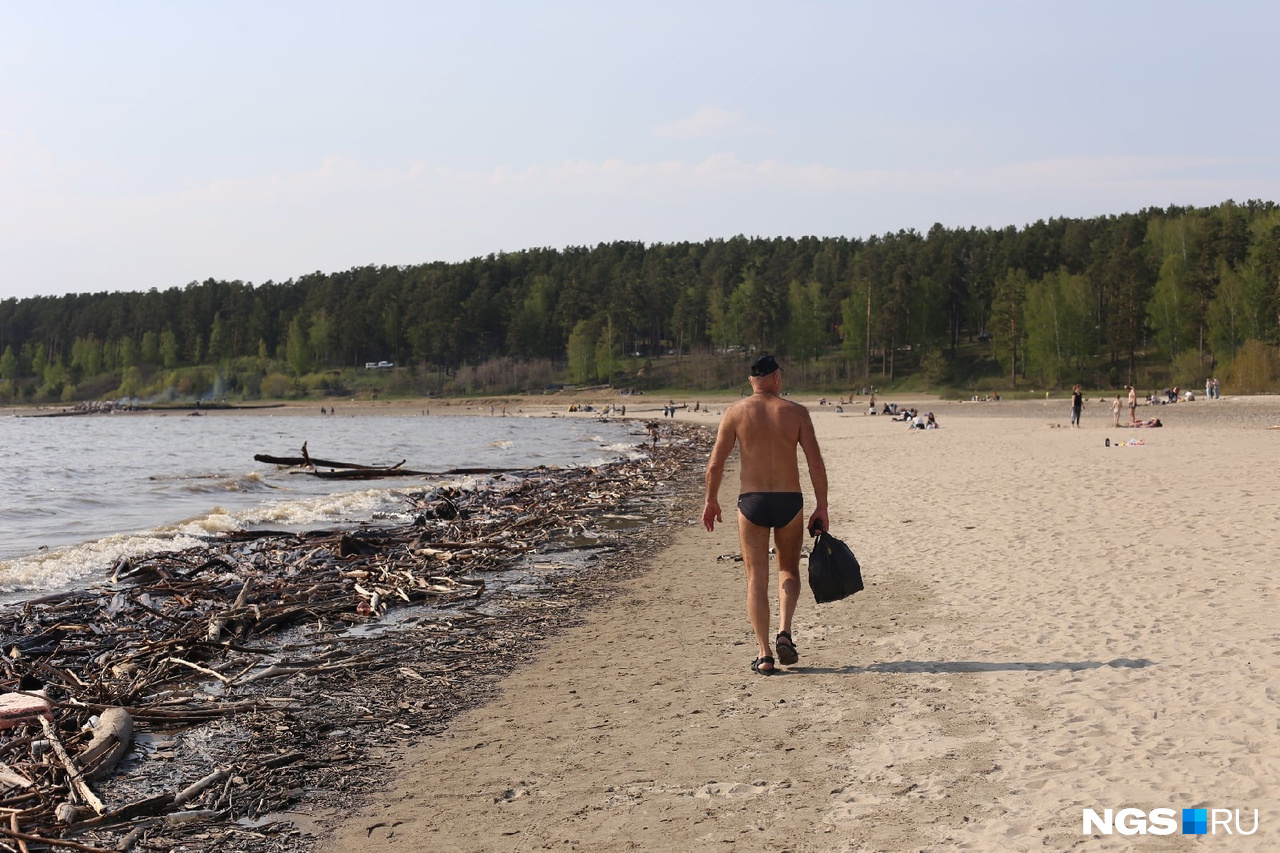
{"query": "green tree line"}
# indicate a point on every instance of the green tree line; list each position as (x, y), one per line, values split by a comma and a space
(1180, 292)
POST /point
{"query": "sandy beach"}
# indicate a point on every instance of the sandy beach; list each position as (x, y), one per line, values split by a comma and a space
(1050, 624)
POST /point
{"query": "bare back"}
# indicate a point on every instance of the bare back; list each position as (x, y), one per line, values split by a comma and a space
(767, 429)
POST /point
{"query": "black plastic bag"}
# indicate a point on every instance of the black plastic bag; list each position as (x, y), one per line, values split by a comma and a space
(834, 572)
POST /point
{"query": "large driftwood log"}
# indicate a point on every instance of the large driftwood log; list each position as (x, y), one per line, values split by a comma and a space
(303, 461)
(358, 471)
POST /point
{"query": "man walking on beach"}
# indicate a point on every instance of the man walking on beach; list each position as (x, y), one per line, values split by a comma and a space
(767, 429)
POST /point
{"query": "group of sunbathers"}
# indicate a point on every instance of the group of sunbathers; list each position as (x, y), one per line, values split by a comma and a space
(915, 420)
(910, 416)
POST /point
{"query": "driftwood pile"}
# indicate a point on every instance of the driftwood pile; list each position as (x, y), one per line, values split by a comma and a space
(269, 677)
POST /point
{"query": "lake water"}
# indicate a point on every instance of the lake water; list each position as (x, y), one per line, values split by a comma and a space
(81, 492)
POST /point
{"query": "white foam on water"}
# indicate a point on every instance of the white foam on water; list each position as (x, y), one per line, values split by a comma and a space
(323, 510)
(61, 568)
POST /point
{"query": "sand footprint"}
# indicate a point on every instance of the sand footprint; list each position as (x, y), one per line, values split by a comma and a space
(737, 789)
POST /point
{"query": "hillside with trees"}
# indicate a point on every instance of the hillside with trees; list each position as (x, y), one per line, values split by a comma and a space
(1154, 298)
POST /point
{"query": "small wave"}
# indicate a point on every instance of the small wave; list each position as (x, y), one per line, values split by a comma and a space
(296, 514)
(64, 568)
(213, 484)
(69, 567)
(199, 484)
(624, 449)
(330, 508)
(502, 444)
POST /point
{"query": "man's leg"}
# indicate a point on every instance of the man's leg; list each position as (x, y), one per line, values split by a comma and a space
(755, 554)
(788, 540)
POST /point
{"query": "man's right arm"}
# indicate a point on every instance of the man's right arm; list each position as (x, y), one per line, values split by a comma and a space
(726, 436)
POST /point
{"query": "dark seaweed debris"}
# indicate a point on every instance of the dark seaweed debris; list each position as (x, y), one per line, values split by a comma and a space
(271, 676)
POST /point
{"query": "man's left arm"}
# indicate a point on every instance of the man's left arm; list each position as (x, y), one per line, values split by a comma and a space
(817, 473)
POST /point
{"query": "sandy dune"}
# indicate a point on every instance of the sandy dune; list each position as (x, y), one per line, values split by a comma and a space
(1049, 625)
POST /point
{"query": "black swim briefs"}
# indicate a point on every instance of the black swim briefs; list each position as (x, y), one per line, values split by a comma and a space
(770, 509)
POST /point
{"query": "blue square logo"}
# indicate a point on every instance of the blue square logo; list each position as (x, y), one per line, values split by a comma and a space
(1195, 821)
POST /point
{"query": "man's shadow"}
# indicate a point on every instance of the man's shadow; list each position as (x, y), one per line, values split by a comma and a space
(955, 666)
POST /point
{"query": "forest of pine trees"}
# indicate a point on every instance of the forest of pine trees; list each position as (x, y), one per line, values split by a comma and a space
(1163, 296)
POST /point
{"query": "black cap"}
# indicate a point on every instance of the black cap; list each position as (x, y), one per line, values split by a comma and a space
(764, 365)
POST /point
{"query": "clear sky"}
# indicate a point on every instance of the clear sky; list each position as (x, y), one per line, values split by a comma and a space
(151, 144)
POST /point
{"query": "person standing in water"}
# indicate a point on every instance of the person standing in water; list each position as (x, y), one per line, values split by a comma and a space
(767, 430)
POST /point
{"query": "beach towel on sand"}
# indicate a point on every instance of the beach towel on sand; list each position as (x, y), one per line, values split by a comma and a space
(834, 572)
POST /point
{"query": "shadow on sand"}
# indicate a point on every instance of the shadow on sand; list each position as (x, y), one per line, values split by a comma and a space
(939, 666)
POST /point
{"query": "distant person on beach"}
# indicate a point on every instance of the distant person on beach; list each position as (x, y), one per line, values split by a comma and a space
(1133, 403)
(1077, 405)
(1115, 411)
(767, 428)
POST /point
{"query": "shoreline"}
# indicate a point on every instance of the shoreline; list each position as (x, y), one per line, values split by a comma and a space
(637, 406)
